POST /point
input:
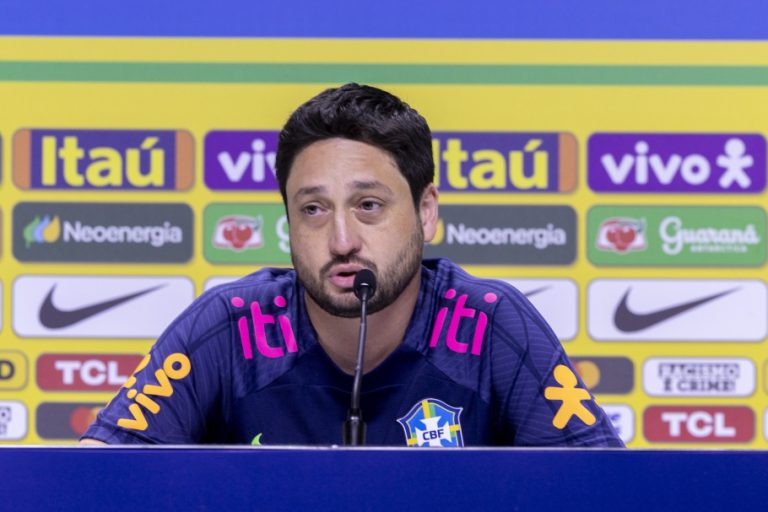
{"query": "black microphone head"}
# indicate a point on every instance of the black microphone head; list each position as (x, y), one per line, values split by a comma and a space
(364, 280)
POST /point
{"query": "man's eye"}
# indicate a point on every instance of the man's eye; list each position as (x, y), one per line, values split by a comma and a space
(311, 209)
(370, 206)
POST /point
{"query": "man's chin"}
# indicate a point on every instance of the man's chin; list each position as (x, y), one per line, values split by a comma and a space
(341, 310)
(343, 305)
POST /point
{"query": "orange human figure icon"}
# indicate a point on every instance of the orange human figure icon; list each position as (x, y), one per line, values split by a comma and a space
(571, 396)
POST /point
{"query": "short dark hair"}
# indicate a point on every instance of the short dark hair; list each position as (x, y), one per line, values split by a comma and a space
(364, 114)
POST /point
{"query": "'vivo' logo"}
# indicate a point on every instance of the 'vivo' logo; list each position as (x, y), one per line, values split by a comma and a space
(175, 367)
(259, 321)
(240, 160)
(459, 313)
(706, 163)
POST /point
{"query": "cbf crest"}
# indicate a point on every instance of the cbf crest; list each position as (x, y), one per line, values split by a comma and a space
(431, 422)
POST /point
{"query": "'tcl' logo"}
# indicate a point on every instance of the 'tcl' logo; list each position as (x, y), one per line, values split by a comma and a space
(691, 424)
(84, 372)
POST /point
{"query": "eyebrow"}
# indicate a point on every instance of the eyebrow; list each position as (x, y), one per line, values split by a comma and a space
(370, 185)
(307, 191)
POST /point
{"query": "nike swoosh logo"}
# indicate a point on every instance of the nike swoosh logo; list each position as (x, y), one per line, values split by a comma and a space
(627, 320)
(54, 318)
(535, 291)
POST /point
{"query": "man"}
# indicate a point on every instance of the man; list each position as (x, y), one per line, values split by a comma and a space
(450, 360)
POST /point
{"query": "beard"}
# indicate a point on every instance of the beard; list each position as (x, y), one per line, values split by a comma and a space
(391, 281)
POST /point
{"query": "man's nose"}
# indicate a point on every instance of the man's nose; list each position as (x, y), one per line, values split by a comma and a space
(345, 238)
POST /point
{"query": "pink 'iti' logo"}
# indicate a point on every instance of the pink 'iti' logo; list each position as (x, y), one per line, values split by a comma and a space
(259, 321)
(460, 312)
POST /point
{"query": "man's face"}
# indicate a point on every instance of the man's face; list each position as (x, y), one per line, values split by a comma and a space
(350, 208)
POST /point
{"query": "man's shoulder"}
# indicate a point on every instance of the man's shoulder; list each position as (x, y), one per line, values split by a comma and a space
(266, 283)
(508, 312)
(448, 278)
(212, 312)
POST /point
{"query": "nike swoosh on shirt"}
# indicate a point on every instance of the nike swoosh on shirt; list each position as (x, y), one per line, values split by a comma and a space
(55, 318)
(627, 320)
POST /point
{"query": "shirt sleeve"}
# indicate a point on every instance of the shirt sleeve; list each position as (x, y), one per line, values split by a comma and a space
(178, 386)
(542, 399)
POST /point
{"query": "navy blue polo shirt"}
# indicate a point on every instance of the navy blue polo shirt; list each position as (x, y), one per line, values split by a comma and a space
(478, 366)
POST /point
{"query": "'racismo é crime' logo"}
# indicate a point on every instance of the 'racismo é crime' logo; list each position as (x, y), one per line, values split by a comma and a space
(103, 159)
(699, 376)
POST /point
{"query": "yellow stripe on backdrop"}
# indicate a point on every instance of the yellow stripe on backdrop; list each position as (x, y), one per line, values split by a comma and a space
(384, 51)
(202, 106)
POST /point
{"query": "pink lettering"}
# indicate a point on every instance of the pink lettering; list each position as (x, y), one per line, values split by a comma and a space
(460, 312)
(437, 329)
(245, 338)
(477, 338)
(290, 339)
(258, 321)
(242, 327)
(285, 326)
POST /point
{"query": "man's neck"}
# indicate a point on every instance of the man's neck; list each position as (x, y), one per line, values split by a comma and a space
(386, 329)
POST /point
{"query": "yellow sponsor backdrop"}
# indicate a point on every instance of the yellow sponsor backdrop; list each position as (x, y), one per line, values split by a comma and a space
(216, 105)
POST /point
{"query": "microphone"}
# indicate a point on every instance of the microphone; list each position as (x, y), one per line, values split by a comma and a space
(353, 432)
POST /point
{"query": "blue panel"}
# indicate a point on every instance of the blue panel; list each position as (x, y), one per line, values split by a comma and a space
(161, 478)
(508, 19)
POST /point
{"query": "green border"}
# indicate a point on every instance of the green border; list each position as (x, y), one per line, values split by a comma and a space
(206, 72)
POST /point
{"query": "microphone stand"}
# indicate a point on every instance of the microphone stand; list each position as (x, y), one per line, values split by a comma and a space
(353, 432)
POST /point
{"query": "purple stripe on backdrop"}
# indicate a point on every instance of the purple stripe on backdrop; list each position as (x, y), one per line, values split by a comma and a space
(502, 19)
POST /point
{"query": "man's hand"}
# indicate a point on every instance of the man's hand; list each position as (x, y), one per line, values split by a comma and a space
(92, 442)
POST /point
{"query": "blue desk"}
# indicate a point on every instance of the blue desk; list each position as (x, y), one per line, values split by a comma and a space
(229, 478)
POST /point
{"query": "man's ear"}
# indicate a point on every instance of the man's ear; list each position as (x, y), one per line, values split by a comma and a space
(428, 212)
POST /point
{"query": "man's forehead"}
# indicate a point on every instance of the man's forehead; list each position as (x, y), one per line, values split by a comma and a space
(350, 187)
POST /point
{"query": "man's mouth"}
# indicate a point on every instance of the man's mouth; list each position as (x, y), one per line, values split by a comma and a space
(343, 276)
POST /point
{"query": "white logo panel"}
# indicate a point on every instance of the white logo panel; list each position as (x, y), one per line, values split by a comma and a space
(13, 420)
(623, 420)
(97, 306)
(212, 282)
(556, 299)
(677, 310)
(765, 424)
(699, 376)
